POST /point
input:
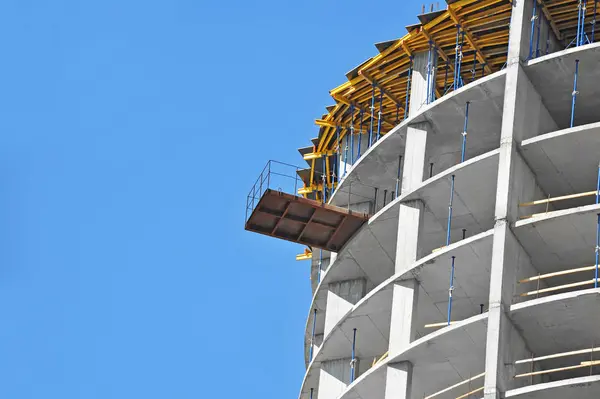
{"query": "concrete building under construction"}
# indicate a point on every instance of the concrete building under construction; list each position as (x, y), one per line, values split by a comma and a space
(450, 211)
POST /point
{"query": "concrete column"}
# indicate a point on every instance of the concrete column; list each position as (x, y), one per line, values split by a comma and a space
(404, 310)
(341, 297)
(421, 69)
(334, 377)
(524, 115)
(398, 384)
(411, 213)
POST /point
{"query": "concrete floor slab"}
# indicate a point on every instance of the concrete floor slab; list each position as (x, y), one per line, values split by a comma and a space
(559, 323)
(561, 239)
(552, 76)
(558, 172)
(451, 354)
(378, 166)
(579, 388)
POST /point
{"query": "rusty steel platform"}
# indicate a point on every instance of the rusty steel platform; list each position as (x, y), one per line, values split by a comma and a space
(304, 221)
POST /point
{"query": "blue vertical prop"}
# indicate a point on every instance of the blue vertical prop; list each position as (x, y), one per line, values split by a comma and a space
(320, 265)
(597, 230)
(537, 42)
(324, 179)
(474, 65)
(346, 155)
(312, 337)
(446, 77)
(450, 211)
(582, 32)
(408, 83)
(575, 92)
(450, 290)
(379, 115)
(428, 72)
(372, 117)
(548, 39)
(352, 136)
(398, 178)
(360, 116)
(533, 18)
(464, 134)
(353, 362)
(594, 20)
(311, 393)
(458, 51)
(397, 113)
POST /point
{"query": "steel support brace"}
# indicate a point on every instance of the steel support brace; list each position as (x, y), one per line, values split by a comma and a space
(450, 290)
(597, 230)
(311, 393)
(531, 36)
(582, 32)
(574, 93)
(446, 76)
(352, 136)
(464, 134)
(429, 69)
(450, 211)
(346, 154)
(408, 83)
(312, 337)
(379, 115)
(398, 177)
(360, 116)
(324, 179)
(474, 65)
(320, 266)
(594, 21)
(372, 117)
(537, 42)
(457, 57)
(353, 361)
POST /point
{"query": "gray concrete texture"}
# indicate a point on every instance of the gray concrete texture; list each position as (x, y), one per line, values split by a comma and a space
(392, 278)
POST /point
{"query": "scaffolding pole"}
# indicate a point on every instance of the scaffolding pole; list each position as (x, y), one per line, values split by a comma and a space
(320, 263)
(429, 68)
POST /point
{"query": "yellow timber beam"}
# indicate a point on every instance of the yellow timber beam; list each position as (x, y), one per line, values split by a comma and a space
(306, 255)
(317, 155)
(469, 37)
(550, 20)
(389, 95)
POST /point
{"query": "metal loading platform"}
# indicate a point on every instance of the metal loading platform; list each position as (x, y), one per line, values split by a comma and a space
(290, 217)
(304, 221)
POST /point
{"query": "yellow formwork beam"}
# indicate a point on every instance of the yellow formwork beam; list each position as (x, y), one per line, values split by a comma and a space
(306, 255)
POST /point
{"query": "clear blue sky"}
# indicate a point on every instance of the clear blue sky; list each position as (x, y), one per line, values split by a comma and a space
(130, 133)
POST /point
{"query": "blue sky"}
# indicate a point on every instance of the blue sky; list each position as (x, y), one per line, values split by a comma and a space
(130, 134)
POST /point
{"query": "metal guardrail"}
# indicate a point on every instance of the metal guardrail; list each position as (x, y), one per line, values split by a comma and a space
(275, 175)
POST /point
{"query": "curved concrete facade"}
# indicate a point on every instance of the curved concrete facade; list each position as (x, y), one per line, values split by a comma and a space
(521, 316)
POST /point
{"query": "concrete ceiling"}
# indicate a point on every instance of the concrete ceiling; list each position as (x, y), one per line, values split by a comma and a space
(378, 166)
(552, 76)
(576, 388)
(558, 172)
